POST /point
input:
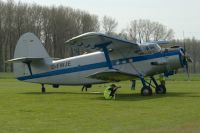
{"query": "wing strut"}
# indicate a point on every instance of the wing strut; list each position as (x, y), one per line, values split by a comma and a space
(28, 63)
(106, 52)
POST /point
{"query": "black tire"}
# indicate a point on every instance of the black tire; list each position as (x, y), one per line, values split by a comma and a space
(43, 90)
(160, 89)
(146, 91)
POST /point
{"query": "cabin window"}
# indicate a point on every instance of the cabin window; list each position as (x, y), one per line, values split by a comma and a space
(149, 48)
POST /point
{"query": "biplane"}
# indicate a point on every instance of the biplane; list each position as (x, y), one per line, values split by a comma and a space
(112, 60)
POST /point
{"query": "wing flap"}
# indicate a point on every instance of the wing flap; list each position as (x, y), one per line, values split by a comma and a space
(113, 75)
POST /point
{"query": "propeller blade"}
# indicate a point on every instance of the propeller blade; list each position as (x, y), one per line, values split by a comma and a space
(186, 59)
(184, 49)
(187, 70)
(189, 59)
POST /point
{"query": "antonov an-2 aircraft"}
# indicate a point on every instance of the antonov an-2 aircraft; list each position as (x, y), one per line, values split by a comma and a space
(113, 60)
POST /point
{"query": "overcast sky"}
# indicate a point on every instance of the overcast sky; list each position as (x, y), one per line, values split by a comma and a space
(180, 15)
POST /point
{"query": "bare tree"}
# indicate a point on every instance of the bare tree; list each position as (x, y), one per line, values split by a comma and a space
(109, 24)
(1, 34)
(53, 25)
(145, 30)
(133, 31)
(89, 23)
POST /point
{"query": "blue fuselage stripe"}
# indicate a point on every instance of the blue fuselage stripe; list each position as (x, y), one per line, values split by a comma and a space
(96, 65)
(66, 70)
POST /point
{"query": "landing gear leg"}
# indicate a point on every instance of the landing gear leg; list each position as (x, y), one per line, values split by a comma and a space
(43, 89)
(146, 90)
(160, 89)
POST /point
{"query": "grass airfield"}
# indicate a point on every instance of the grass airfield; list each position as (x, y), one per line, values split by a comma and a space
(23, 109)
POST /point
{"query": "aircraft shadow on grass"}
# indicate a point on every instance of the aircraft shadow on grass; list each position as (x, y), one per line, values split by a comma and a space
(66, 93)
(138, 97)
(121, 97)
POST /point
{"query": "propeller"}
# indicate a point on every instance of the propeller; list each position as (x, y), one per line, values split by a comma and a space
(186, 59)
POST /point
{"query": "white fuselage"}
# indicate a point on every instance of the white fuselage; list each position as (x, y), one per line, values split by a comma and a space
(75, 70)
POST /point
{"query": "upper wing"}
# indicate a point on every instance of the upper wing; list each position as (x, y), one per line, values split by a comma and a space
(92, 40)
(113, 75)
(161, 43)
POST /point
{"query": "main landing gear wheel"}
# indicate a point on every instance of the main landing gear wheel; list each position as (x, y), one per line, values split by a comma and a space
(146, 91)
(160, 89)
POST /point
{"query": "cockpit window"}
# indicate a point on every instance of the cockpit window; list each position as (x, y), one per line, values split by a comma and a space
(150, 48)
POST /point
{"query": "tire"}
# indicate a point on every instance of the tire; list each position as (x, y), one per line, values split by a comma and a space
(146, 91)
(160, 89)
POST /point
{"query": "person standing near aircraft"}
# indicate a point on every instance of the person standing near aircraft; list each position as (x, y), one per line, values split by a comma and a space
(109, 93)
(133, 83)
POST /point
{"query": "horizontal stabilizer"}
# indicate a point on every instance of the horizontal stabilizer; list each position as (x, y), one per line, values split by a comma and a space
(25, 60)
(113, 75)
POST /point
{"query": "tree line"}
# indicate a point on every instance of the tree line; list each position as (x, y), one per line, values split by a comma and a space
(55, 25)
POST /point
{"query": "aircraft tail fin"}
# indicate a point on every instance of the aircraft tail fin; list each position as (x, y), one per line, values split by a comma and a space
(29, 52)
(30, 46)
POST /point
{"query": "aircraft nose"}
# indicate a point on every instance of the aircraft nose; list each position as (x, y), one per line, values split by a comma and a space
(185, 57)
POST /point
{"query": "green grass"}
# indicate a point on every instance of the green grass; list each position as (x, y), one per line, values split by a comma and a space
(23, 109)
(4, 75)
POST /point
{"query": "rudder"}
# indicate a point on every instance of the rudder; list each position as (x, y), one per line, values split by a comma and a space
(30, 47)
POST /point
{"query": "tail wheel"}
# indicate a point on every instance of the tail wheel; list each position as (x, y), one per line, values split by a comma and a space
(160, 89)
(146, 91)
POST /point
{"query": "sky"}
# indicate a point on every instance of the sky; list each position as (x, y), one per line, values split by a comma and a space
(183, 16)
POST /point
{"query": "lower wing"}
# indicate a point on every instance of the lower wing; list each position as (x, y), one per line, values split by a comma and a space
(113, 75)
